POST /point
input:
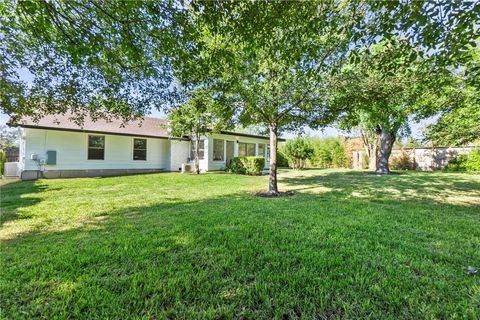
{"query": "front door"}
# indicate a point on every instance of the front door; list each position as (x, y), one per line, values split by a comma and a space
(230, 151)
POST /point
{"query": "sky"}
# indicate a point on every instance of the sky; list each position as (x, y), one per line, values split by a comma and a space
(416, 128)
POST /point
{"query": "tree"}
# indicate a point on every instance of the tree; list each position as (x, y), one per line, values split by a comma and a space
(197, 117)
(110, 57)
(100, 58)
(458, 107)
(8, 137)
(270, 60)
(459, 122)
(297, 151)
(383, 100)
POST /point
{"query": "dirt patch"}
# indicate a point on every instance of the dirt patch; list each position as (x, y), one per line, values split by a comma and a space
(273, 194)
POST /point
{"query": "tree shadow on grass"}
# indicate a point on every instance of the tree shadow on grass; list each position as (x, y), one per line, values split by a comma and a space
(238, 256)
(425, 187)
(16, 196)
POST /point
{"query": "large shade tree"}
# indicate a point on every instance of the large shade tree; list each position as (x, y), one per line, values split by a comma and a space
(270, 59)
(115, 57)
(92, 57)
(458, 108)
(383, 99)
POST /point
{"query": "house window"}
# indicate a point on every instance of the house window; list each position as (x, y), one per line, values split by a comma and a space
(96, 147)
(218, 150)
(261, 150)
(246, 149)
(201, 149)
(139, 149)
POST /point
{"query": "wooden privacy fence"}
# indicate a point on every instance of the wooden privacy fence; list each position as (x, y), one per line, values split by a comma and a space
(424, 159)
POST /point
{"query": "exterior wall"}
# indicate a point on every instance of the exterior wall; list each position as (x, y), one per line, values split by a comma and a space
(423, 159)
(21, 154)
(179, 153)
(71, 148)
(220, 165)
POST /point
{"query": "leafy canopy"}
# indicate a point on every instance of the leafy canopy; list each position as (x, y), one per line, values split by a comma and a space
(381, 99)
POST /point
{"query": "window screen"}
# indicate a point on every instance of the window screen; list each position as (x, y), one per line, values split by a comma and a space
(201, 149)
(218, 150)
(96, 147)
(139, 149)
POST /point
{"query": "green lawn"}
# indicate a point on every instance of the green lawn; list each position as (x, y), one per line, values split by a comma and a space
(346, 245)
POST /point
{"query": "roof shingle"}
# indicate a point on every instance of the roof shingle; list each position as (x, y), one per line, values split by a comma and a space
(150, 127)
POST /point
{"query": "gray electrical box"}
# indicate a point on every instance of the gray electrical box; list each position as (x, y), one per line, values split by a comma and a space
(51, 157)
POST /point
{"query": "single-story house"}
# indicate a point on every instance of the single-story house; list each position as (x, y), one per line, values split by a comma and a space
(57, 147)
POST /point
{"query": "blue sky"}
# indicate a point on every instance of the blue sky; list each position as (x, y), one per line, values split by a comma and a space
(416, 128)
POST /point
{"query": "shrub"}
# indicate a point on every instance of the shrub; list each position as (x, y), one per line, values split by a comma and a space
(236, 166)
(282, 161)
(401, 162)
(247, 165)
(473, 161)
(3, 159)
(466, 162)
(297, 151)
(329, 153)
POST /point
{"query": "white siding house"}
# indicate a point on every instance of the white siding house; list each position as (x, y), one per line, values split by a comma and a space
(56, 147)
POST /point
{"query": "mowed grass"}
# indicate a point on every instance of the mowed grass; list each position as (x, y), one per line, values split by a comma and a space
(346, 245)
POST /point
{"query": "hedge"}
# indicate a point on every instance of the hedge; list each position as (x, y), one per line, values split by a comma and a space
(466, 162)
(247, 165)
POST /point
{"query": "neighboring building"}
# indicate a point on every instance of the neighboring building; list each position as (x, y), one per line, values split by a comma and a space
(56, 147)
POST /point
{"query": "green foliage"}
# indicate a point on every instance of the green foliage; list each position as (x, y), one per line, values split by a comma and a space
(364, 161)
(473, 161)
(200, 115)
(3, 159)
(282, 161)
(382, 100)
(236, 166)
(252, 166)
(329, 153)
(8, 137)
(401, 162)
(298, 151)
(459, 124)
(89, 57)
(465, 162)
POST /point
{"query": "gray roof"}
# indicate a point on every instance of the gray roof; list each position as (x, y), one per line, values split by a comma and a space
(144, 127)
(147, 126)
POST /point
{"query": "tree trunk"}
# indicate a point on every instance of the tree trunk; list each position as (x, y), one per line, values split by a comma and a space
(386, 144)
(372, 156)
(370, 149)
(272, 181)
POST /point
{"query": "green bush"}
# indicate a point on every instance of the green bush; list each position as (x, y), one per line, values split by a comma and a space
(247, 165)
(465, 162)
(329, 153)
(3, 159)
(282, 161)
(297, 151)
(401, 162)
(473, 161)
